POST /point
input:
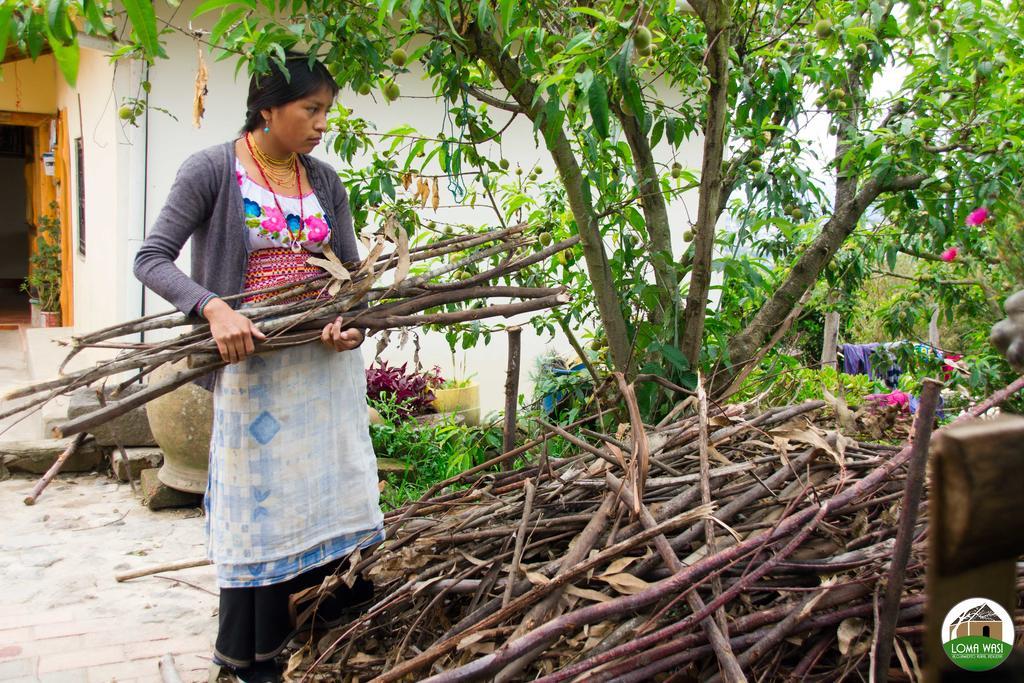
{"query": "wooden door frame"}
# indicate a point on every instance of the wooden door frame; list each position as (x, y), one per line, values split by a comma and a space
(43, 189)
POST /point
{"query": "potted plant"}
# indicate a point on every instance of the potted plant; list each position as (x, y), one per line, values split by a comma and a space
(412, 392)
(44, 275)
(461, 398)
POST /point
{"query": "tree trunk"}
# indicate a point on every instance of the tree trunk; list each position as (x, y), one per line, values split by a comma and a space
(808, 267)
(716, 16)
(652, 201)
(484, 47)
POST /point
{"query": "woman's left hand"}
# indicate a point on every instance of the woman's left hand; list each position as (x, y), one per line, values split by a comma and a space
(340, 340)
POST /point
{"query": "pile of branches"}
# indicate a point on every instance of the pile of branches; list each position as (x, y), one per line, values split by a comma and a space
(426, 285)
(723, 546)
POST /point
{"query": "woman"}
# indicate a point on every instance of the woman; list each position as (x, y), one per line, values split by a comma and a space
(292, 487)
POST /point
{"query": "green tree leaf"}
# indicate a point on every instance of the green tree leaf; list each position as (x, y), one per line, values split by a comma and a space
(597, 98)
(143, 19)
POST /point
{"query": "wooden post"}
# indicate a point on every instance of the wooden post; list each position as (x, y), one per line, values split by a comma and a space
(886, 631)
(933, 329)
(830, 342)
(511, 391)
(977, 531)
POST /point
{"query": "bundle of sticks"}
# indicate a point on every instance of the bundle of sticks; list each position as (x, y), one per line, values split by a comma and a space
(425, 284)
(723, 546)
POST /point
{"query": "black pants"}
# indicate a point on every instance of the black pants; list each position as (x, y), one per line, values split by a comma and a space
(254, 622)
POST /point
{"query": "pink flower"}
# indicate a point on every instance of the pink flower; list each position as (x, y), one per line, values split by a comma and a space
(238, 177)
(316, 228)
(274, 221)
(977, 217)
(949, 254)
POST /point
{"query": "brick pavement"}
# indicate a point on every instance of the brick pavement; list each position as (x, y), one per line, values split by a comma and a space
(63, 617)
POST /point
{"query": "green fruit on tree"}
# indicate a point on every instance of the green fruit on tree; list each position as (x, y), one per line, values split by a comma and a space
(688, 235)
(503, 164)
(364, 89)
(544, 238)
(391, 91)
(823, 29)
(626, 108)
(756, 165)
(126, 112)
(839, 94)
(677, 170)
(642, 38)
(519, 170)
(399, 57)
(945, 187)
(644, 51)
(862, 50)
(562, 258)
(797, 213)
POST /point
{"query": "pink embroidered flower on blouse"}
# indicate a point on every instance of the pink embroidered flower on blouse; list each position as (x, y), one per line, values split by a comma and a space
(238, 177)
(949, 254)
(274, 221)
(977, 217)
(316, 229)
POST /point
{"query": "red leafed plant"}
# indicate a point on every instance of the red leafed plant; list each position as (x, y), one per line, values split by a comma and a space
(411, 391)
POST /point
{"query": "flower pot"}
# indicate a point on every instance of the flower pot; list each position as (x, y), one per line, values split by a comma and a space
(463, 402)
(49, 319)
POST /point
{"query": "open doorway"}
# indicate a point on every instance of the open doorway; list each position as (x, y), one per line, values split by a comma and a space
(15, 229)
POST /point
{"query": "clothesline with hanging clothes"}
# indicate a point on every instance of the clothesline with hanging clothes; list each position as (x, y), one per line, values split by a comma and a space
(863, 359)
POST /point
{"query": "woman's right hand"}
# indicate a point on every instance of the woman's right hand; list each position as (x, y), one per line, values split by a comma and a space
(233, 332)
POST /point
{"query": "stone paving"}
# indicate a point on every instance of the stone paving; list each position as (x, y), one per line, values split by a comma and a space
(63, 617)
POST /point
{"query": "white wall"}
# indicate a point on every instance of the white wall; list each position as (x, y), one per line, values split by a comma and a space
(101, 285)
(171, 140)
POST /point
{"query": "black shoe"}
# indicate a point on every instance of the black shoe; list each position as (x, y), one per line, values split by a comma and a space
(260, 672)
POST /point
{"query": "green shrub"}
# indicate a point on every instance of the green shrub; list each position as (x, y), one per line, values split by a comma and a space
(784, 382)
(434, 450)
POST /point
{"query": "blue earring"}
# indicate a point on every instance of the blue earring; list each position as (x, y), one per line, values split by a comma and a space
(266, 129)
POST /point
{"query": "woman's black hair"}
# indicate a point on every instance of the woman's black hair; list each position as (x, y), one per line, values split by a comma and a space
(275, 89)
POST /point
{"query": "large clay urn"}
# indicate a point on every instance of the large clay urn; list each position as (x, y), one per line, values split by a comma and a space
(182, 422)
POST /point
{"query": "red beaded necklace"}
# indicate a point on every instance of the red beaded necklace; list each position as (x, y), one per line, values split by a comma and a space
(263, 174)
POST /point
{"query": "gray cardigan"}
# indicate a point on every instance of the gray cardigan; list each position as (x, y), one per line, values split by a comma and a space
(205, 203)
